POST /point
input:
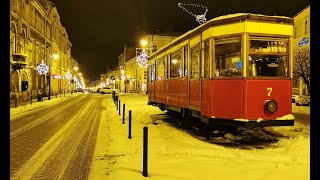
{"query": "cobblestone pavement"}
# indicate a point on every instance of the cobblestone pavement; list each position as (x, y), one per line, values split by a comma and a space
(56, 142)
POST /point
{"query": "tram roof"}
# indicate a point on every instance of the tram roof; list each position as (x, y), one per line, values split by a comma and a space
(225, 19)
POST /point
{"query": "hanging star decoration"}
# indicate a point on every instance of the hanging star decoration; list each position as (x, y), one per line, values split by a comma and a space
(142, 59)
(42, 68)
(199, 18)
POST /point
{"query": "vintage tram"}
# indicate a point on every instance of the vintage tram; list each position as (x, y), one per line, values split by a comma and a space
(234, 70)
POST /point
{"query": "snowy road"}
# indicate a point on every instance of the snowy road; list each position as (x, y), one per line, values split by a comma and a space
(55, 141)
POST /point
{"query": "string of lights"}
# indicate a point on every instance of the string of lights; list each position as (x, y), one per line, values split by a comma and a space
(199, 18)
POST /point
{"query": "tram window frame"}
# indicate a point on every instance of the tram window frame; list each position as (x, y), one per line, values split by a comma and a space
(264, 61)
(230, 64)
(206, 58)
(158, 70)
(174, 70)
(196, 75)
(152, 71)
(185, 60)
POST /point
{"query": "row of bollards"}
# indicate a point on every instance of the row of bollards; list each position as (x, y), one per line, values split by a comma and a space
(117, 103)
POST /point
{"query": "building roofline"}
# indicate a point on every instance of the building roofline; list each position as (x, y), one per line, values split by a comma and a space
(301, 11)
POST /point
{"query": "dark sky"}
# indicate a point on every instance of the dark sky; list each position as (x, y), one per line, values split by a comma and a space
(99, 29)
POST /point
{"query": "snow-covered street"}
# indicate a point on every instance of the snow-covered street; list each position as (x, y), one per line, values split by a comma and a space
(178, 153)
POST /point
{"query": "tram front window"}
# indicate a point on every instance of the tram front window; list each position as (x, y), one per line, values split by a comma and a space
(269, 66)
(268, 57)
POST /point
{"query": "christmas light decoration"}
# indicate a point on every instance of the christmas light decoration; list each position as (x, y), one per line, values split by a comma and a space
(199, 18)
(142, 60)
(68, 75)
(42, 68)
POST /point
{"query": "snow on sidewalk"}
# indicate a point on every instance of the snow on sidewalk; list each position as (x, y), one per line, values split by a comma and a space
(174, 154)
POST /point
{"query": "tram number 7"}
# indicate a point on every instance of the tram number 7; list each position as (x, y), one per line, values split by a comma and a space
(269, 89)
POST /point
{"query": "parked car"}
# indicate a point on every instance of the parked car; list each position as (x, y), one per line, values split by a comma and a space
(302, 100)
(106, 90)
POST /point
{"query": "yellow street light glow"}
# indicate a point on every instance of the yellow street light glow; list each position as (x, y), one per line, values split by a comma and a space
(56, 56)
(122, 71)
(174, 61)
(76, 68)
(80, 74)
(144, 42)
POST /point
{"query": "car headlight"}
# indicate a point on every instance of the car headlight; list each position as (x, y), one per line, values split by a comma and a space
(270, 105)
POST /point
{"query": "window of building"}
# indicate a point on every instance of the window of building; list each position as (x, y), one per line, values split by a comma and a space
(306, 27)
(160, 69)
(176, 64)
(206, 65)
(228, 57)
(194, 62)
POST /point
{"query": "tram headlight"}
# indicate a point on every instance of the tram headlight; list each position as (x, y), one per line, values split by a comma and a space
(270, 106)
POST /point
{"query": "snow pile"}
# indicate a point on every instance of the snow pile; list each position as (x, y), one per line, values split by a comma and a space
(36, 105)
(175, 154)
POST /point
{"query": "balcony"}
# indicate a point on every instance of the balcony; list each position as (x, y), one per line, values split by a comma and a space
(19, 61)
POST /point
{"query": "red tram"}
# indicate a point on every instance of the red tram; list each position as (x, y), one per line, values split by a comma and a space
(233, 70)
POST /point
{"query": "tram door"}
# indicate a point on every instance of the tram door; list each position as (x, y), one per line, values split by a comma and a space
(195, 78)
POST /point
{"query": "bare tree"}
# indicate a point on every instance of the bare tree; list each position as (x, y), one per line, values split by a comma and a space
(301, 64)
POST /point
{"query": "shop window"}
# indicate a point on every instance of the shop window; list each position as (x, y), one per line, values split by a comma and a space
(194, 63)
(176, 64)
(160, 69)
(206, 60)
(228, 57)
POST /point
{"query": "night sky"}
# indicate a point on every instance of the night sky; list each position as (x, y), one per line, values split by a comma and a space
(99, 29)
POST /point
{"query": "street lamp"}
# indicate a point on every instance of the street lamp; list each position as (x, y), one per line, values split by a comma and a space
(55, 56)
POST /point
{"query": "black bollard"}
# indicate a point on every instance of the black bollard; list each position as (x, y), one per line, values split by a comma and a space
(129, 124)
(123, 112)
(119, 107)
(64, 93)
(145, 152)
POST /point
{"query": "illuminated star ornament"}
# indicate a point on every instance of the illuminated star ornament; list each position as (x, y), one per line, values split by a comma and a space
(142, 59)
(199, 18)
(68, 75)
(42, 68)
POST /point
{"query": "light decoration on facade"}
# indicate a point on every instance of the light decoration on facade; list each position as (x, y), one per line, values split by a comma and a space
(142, 59)
(42, 68)
(199, 18)
(68, 75)
(123, 77)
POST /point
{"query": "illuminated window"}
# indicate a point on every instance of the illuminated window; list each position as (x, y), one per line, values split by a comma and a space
(228, 57)
(194, 63)
(206, 60)
(176, 64)
(160, 69)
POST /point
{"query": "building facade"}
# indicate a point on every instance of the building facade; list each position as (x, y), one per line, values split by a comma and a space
(36, 35)
(301, 38)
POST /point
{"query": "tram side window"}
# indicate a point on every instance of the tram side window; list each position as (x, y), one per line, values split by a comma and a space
(228, 57)
(152, 73)
(268, 57)
(160, 69)
(206, 59)
(194, 62)
(176, 64)
(186, 58)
